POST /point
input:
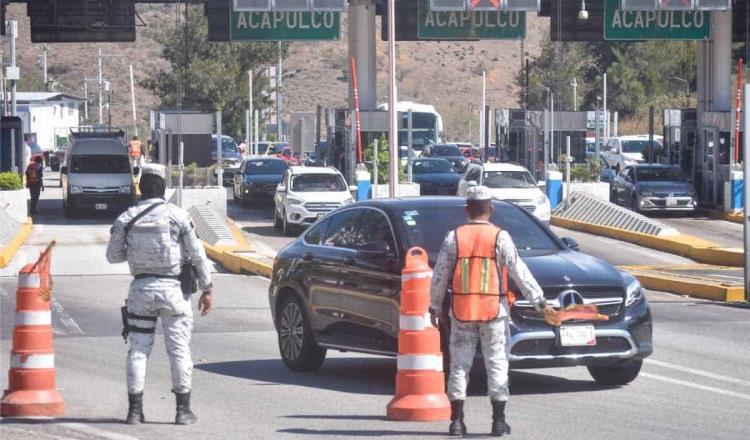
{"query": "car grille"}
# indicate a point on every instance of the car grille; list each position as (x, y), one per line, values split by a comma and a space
(321, 207)
(608, 299)
(94, 190)
(526, 204)
(549, 347)
(677, 194)
(663, 203)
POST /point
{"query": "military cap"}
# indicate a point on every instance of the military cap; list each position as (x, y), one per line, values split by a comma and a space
(478, 194)
(154, 170)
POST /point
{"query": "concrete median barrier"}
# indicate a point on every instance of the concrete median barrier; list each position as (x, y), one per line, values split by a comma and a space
(13, 235)
(716, 283)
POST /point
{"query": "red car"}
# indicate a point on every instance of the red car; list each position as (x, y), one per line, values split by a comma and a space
(287, 156)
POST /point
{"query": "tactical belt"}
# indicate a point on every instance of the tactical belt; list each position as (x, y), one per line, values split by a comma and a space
(141, 276)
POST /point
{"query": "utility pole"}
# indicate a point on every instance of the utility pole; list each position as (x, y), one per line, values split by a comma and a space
(13, 73)
(248, 128)
(279, 85)
(575, 94)
(99, 79)
(392, 101)
(606, 115)
(746, 192)
(132, 100)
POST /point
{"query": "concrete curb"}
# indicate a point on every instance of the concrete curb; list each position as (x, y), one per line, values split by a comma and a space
(735, 217)
(654, 279)
(8, 252)
(685, 245)
(233, 258)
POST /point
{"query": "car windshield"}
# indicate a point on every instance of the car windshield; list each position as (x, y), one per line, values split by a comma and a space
(637, 146)
(227, 146)
(446, 150)
(432, 166)
(428, 226)
(508, 179)
(262, 148)
(318, 183)
(265, 167)
(654, 174)
(100, 164)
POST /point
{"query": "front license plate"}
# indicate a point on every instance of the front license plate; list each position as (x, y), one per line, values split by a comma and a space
(100, 206)
(577, 335)
(671, 201)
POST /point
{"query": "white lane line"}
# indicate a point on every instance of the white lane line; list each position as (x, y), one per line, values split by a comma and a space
(70, 324)
(95, 432)
(696, 386)
(697, 372)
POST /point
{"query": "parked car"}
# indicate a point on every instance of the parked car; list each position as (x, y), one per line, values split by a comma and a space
(623, 151)
(510, 182)
(97, 175)
(449, 152)
(258, 178)
(286, 154)
(653, 187)
(338, 287)
(231, 157)
(307, 193)
(435, 176)
(56, 158)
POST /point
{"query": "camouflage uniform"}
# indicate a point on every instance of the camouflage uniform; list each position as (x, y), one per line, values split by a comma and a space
(157, 245)
(494, 334)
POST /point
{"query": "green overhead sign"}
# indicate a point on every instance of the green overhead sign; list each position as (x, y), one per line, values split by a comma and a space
(284, 26)
(654, 25)
(463, 25)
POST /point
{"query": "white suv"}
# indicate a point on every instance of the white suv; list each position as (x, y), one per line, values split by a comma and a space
(625, 151)
(509, 182)
(308, 193)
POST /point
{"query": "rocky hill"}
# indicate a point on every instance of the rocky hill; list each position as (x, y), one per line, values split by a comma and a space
(446, 74)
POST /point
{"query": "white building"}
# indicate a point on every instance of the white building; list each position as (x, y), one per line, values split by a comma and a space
(48, 115)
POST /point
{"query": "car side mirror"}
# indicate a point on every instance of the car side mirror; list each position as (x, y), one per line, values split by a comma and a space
(281, 189)
(572, 244)
(378, 248)
(136, 171)
(472, 183)
(64, 170)
(353, 188)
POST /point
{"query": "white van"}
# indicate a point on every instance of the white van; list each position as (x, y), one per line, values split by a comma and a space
(97, 175)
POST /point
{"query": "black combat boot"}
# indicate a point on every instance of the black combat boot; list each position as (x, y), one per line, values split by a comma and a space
(135, 409)
(184, 415)
(499, 427)
(457, 427)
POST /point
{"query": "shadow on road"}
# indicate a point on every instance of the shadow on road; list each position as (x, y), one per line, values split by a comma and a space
(377, 376)
(362, 433)
(50, 212)
(54, 421)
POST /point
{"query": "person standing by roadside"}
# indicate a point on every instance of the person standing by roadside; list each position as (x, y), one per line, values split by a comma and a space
(475, 262)
(156, 239)
(136, 152)
(35, 181)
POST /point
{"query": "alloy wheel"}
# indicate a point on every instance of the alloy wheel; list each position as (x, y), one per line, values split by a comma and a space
(291, 331)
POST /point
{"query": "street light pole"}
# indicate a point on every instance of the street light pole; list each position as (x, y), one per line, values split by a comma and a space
(575, 94)
(278, 95)
(392, 99)
(99, 79)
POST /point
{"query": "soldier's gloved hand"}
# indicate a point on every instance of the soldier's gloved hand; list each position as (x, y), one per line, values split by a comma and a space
(205, 303)
(550, 316)
(434, 318)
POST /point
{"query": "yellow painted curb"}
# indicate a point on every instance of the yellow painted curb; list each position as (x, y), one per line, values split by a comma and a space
(696, 288)
(685, 245)
(229, 259)
(8, 252)
(735, 217)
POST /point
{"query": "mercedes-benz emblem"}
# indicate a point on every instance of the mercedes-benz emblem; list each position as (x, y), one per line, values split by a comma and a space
(569, 298)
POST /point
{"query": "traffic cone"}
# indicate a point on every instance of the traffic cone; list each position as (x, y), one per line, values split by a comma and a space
(31, 380)
(420, 384)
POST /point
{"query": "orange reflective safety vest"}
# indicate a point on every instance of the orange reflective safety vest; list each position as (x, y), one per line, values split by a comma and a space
(135, 148)
(477, 285)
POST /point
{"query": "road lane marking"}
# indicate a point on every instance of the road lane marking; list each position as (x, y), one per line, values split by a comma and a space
(95, 432)
(68, 322)
(697, 372)
(696, 386)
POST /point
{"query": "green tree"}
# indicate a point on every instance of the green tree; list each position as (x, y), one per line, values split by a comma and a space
(368, 154)
(214, 74)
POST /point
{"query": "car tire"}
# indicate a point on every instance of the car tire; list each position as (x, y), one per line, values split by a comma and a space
(634, 205)
(621, 373)
(613, 197)
(286, 228)
(276, 220)
(298, 349)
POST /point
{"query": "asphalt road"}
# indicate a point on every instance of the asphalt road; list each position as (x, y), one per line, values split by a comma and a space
(695, 386)
(725, 233)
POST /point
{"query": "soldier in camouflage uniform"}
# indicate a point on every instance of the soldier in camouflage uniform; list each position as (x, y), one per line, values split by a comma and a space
(155, 238)
(483, 309)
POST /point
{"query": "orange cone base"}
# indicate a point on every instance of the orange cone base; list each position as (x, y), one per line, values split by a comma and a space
(420, 408)
(32, 403)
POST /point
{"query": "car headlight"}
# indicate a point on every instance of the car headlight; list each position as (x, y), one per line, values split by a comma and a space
(348, 201)
(633, 293)
(294, 201)
(646, 193)
(691, 193)
(75, 189)
(542, 201)
(126, 189)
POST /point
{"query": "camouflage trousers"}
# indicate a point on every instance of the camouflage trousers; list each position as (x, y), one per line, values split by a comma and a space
(150, 299)
(463, 346)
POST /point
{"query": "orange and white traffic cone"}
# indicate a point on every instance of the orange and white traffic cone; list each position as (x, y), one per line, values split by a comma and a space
(31, 380)
(420, 384)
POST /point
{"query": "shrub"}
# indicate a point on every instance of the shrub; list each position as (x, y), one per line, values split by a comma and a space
(10, 181)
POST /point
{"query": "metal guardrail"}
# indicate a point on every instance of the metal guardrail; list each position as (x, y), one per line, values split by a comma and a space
(585, 208)
(211, 227)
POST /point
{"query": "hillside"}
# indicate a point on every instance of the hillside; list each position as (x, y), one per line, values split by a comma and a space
(446, 74)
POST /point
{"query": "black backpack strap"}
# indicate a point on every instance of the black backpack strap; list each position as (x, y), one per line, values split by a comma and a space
(141, 214)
